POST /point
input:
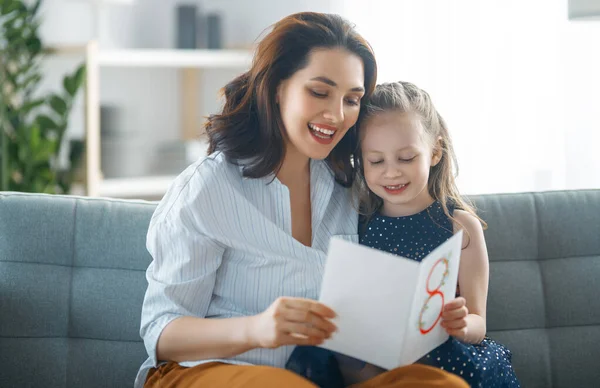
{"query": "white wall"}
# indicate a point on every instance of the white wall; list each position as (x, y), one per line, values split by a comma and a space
(517, 82)
(582, 104)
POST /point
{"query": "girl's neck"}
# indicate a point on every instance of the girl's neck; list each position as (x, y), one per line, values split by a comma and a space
(414, 206)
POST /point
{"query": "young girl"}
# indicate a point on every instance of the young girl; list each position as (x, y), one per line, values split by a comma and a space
(410, 205)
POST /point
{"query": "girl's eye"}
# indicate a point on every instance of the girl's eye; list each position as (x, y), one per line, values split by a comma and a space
(317, 94)
(407, 160)
(376, 162)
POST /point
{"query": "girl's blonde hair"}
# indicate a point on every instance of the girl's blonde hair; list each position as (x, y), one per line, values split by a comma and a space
(406, 97)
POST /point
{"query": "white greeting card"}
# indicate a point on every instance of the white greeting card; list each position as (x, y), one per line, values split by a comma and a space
(388, 307)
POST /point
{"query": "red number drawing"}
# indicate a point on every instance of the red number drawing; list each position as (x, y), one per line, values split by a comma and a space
(432, 293)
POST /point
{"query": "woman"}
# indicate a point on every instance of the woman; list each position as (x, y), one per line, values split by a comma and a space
(239, 241)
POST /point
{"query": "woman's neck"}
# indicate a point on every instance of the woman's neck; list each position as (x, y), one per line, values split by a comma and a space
(294, 169)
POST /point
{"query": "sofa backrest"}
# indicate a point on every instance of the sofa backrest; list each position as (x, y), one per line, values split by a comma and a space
(72, 283)
(544, 251)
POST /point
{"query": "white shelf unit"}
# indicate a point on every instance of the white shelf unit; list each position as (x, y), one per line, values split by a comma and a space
(145, 187)
(175, 58)
(189, 62)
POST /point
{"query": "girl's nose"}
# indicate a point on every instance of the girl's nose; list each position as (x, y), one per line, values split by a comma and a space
(393, 171)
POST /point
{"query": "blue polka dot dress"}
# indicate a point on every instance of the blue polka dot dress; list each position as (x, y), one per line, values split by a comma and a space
(487, 364)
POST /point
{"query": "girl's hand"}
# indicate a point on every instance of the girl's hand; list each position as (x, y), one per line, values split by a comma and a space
(454, 318)
(291, 321)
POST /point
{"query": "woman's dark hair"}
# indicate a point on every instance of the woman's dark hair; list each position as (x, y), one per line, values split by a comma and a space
(249, 130)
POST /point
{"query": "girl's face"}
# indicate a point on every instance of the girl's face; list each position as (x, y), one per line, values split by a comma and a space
(397, 155)
(320, 102)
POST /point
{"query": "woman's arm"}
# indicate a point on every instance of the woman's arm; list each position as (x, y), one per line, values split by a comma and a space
(190, 338)
(181, 282)
(288, 321)
(465, 318)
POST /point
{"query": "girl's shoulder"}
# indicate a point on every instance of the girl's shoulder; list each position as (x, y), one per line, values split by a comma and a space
(463, 217)
(473, 230)
(466, 220)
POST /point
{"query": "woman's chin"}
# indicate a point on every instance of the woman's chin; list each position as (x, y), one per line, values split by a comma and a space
(317, 151)
(320, 155)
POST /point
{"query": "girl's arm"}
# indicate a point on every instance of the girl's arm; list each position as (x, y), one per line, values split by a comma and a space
(473, 278)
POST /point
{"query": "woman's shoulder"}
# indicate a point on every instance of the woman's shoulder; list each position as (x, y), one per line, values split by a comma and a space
(199, 183)
(206, 174)
(208, 167)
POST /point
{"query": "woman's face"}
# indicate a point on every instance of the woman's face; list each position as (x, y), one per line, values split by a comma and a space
(319, 103)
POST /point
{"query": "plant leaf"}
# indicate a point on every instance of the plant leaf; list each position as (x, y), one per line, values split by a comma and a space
(80, 76)
(70, 85)
(46, 123)
(34, 45)
(58, 104)
(76, 152)
(30, 82)
(34, 126)
(30, 105)
(23, 154)
(10, 22)
(9, 6)
(35, 139)
(46, 151)
(46, 173)
(73, 82)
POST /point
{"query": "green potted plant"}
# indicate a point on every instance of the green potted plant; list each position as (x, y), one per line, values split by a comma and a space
(32, 126)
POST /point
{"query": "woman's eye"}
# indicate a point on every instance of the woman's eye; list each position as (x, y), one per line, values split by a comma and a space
(353, 101)
(375, 161)
(318, 94)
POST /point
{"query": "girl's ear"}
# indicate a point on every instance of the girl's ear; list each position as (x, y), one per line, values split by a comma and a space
(438, 151)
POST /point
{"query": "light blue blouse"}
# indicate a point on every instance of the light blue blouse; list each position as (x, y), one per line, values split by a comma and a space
(222, 247)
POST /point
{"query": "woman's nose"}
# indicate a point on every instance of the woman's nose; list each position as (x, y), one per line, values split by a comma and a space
(335, 112)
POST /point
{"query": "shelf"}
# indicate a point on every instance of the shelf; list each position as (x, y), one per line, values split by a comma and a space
(138, 187)
(66, 50)
(175, 58)
(189, 61)
(168, 58)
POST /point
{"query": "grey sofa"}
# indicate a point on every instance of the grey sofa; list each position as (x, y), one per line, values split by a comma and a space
(72, 284)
